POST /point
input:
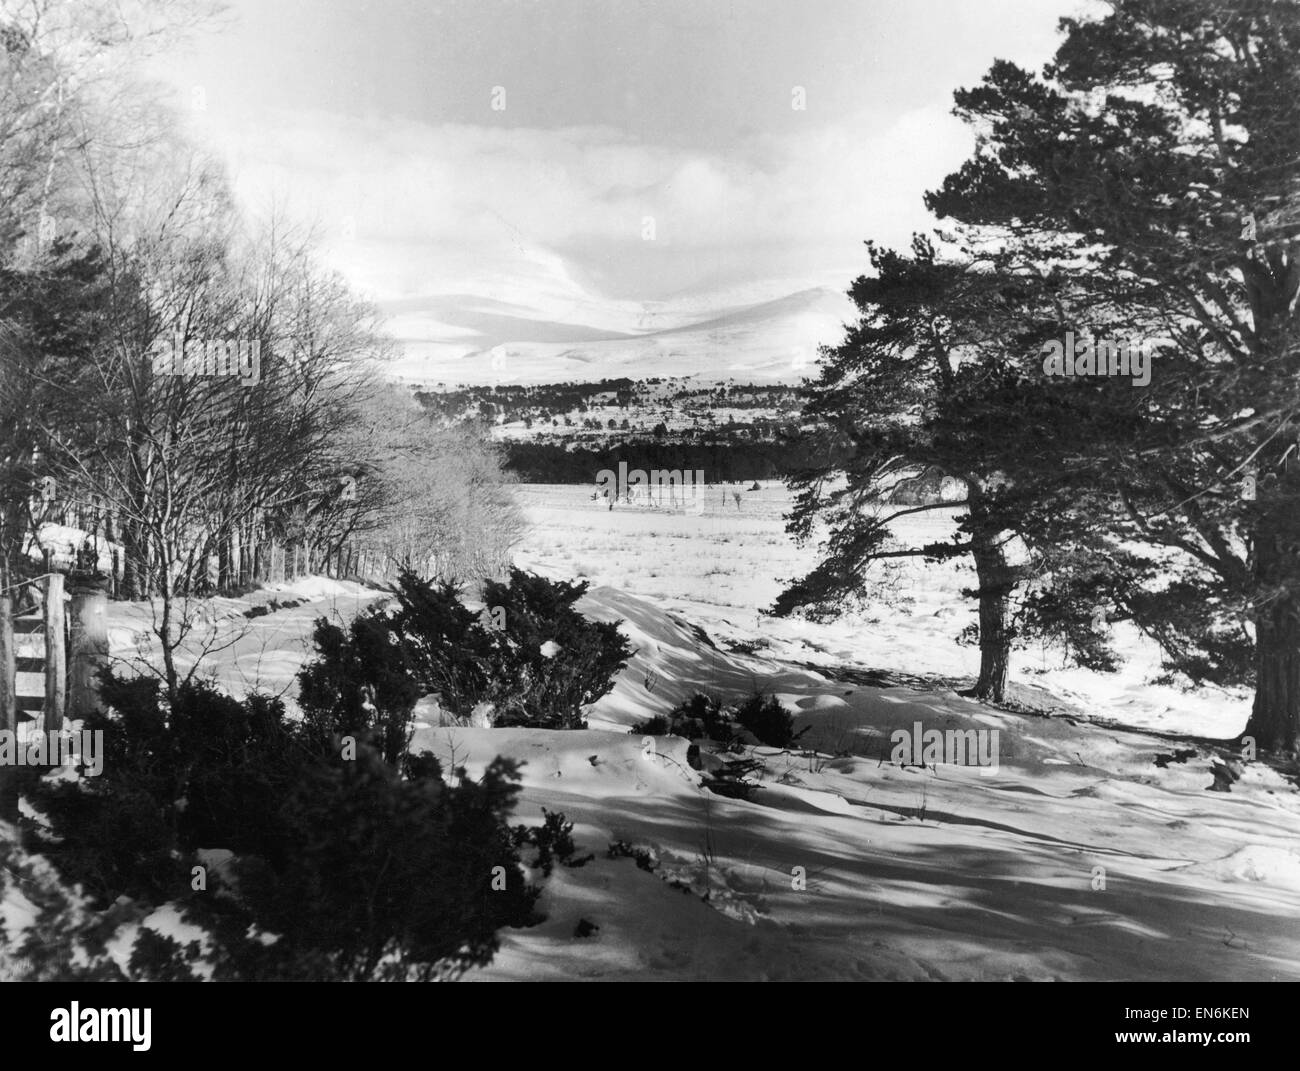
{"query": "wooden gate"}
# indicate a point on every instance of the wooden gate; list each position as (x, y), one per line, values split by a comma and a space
(35, 674)
(39, 643)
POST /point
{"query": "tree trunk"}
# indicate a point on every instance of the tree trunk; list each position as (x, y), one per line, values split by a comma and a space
(225, 576)
(1273, 284)
(1275, 716)
(261, 557)
(246, 553)
(996, 581)
(134, 572)
(114, 570)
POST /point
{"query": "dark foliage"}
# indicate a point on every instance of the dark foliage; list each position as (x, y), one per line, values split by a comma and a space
(553, 840)
(656, 726)
(701, 716)
(363, 682)
(767, 719)
(621, 849)
(359, 869)
(539, 670)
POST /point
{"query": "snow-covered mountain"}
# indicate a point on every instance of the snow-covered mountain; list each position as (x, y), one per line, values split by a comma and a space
(766, 332)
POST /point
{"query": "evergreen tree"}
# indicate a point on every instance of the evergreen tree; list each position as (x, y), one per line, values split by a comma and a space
(926, 382)
(1157, 161)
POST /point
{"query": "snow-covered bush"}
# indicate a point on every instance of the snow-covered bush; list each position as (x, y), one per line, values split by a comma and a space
(534, 658)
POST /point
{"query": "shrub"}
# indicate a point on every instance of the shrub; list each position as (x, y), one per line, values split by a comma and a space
(447, 649)
(537, 671)
(67, 940)
(548, 690)
(704, 716)
(372, 867)
(208, 771)
(156, 957)
(656, 726)
(362, 869)
(391, 878)
(701, 716)
(621, 849)
(768, 720)
(362, 684)
(553, 840)
(732, 779)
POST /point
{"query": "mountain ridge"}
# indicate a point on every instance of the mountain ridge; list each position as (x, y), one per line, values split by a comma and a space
(473, 339)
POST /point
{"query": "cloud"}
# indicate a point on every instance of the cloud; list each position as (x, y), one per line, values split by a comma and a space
(408, 207)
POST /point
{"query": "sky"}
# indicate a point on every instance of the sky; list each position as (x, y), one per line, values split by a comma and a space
(634, 150)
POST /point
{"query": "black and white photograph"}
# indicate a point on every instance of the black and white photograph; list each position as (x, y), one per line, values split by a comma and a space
(625, 491)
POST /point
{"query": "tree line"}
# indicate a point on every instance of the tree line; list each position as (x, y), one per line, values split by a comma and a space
(185, 384)
(723, 459)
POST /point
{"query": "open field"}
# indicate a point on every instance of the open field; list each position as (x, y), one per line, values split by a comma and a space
(721, 569)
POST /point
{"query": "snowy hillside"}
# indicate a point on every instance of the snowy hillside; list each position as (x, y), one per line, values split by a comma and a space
(1092, 850)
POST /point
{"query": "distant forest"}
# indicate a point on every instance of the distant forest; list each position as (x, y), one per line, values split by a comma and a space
(721, 461)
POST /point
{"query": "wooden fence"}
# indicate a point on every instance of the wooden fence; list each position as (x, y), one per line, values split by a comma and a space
(49, 661)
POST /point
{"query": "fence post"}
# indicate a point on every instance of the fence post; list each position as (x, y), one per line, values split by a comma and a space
(56, 660)
(8, 708)
(88, 644)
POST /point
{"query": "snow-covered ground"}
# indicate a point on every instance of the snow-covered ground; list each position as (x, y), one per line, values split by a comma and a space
(235, 651)
(721, 569)
(1078, 857)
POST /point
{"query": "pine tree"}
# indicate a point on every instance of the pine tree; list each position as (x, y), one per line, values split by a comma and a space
(926, 381)
(1157, 161)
